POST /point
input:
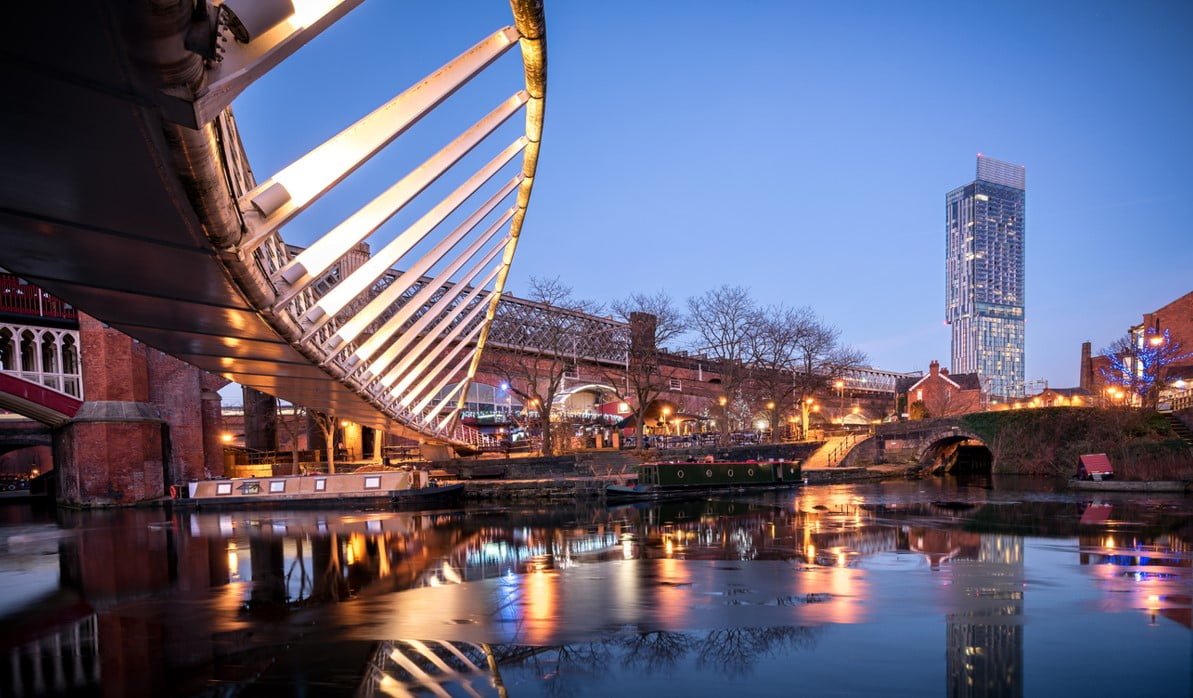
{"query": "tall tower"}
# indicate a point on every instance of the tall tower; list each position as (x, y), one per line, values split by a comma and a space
(984, 269)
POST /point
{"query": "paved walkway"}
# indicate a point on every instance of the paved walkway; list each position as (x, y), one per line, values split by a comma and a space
(828, 455)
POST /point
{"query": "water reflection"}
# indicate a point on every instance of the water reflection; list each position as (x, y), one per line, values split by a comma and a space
(641, 597)
(415, 667)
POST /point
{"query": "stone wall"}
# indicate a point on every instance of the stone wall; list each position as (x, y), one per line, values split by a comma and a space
(514, 468)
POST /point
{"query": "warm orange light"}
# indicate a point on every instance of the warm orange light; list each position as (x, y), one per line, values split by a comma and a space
(226, 438)
(770, 405)
(344, 422)
(815, 408)
(722, 400)
(1156, 341)
(856, 409)
(839, 384)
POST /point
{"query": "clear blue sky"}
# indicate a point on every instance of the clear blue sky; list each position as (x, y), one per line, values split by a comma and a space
(803, 150)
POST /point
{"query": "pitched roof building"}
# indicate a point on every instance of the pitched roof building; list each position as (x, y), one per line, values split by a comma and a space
(943, 394)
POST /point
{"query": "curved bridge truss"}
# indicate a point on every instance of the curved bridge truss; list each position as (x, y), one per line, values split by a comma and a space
(204, 273)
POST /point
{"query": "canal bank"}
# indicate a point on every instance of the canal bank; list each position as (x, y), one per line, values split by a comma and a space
(581, 487)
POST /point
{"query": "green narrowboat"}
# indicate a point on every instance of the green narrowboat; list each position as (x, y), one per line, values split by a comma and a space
(658, 480)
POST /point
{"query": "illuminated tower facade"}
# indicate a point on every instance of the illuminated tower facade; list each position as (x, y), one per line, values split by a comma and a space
(985, 276)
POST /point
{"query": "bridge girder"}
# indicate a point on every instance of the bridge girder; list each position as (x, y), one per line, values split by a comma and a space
(217, 286)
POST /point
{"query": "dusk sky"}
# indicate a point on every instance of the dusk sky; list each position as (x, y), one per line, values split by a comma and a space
(802, 150)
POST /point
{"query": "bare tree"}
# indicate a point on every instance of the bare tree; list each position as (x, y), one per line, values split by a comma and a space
(774, 353)
(723, 320)
(292, 419)
(327, 424)
(821, 358)
(653, 320)
(542, 347)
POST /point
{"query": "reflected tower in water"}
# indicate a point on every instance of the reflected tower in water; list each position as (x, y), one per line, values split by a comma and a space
(985, 632)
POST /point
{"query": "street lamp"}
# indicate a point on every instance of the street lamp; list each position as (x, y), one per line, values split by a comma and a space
(666, 425)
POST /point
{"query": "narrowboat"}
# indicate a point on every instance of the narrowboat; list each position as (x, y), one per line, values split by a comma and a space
(666, 480)
(402, 488)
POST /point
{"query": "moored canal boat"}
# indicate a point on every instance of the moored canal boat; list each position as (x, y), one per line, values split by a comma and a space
(400, 488)
(670, 480)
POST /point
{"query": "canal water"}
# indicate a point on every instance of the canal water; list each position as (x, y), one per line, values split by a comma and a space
(913, 588)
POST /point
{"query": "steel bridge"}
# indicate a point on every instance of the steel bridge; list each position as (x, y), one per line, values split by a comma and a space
(126, 191)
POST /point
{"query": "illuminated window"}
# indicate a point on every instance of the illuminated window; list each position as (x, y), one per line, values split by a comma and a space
(223, 488)
(321, 484)
(373, 482)
(277, 485)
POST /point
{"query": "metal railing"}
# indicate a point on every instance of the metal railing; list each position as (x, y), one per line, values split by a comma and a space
(842, 449)
(22, 298)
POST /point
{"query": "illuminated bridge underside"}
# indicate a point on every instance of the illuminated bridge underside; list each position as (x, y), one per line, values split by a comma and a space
(125, 191)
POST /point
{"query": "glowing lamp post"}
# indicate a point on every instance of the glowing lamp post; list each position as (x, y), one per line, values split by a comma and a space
(808, 405)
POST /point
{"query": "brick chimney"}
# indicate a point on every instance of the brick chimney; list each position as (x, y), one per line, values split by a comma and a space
(1087, 367)
(934, 368)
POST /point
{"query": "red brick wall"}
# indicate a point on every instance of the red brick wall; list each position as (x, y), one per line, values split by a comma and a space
(108, 458)
(1177, 318)
(114, 366)
(176, 389)
(941, 397)
(109, 463)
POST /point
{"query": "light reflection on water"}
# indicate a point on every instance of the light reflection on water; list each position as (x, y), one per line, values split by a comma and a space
(854, 589)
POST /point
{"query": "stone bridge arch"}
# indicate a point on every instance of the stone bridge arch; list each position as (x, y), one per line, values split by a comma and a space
(942, 445)
(956, 450)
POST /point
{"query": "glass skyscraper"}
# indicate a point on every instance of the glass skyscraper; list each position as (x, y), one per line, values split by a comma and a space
(984, 276)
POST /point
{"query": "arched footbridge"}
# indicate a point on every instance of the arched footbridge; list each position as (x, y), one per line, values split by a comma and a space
(937, 444)
(126, 191)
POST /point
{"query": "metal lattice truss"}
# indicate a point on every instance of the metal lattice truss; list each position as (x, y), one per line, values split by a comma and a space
(398, 326)
(535, 328)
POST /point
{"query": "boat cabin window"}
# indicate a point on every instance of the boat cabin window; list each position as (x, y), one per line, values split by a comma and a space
(277, 485)
(373, 482)
(250, 488)
(223, 488)
(321, 484)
